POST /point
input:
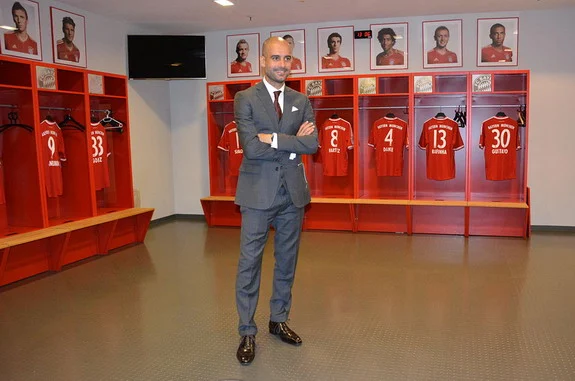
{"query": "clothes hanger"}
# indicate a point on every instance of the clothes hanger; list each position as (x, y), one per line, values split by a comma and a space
(334, 116)
(460, 117)
(111, 123)
(500, 114)
(13, 122)
(440, 114)
(69, 121)
(93, 118)
(521, 116)
(390, 115)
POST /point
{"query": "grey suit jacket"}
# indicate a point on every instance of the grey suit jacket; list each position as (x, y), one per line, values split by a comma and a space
(262, 165)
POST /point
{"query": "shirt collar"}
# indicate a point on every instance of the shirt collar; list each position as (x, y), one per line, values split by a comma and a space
(271, 89)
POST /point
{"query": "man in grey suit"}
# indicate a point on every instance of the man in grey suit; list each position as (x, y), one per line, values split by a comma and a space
(276, 127)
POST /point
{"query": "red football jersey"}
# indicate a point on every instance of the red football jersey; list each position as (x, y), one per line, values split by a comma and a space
(328, 62)
(52, 153)
(236, 67)
(67, 54)
(12, 42)
(388, 137)
(2, 195)
(490, 54)
(394, 57)
(433, 57)
(335, 139)
(100, 155)
(230, 142)
(500, 141)
(440, 138)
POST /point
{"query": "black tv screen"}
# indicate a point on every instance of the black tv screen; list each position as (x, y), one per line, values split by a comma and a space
(166, 57)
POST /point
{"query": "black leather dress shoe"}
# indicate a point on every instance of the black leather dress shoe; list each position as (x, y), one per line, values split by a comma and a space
(247, 350)
(285, 333)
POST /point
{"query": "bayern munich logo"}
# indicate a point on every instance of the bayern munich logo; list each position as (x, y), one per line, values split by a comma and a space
(423, 84)
(314, 88)
(482, 82)
(367, 86)
(46, 77)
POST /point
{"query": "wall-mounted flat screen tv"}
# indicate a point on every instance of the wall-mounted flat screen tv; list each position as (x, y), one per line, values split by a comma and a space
(166, 57)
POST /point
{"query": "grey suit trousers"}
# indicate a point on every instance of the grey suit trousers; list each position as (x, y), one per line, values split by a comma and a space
(286, 220)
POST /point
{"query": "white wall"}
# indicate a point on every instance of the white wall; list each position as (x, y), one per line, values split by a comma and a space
(151, 141)
(545, 43)
(189, 144)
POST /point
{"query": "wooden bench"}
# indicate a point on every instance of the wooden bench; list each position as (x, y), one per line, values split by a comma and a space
(50, 248)
(352, 214)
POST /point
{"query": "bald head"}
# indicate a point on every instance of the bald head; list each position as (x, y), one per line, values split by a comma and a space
(272, 42)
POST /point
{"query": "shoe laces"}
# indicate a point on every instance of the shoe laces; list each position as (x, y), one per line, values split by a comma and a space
(250, 341)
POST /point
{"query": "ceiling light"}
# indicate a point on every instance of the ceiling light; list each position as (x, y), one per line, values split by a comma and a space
(224, 3)
(7, 27)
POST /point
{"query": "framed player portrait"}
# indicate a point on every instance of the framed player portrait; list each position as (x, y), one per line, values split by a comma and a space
(497, 41)
(296, 38)
(243, 52)
(442, 44)
(388, 46)
(335, 49)
(20, 35)
(68, 37)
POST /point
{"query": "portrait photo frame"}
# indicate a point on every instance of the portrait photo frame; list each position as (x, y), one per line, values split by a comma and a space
(345, 59)
(396, 56)
(298, 38)
(68, 38)
(437, 54)
(10, 43)
(247, 66)
(498, 49)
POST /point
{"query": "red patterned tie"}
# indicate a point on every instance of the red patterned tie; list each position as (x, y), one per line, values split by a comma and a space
(277, 104)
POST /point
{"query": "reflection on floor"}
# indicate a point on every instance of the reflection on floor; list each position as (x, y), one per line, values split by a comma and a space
(368, 307)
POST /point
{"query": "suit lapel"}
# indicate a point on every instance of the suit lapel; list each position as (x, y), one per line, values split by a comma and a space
(268, 105)
(287, 112)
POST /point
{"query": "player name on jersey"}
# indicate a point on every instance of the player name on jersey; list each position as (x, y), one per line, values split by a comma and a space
(335, 139)
(53, 153)
(230, 143)
(500, 141)
(440, 138)
(389, 137)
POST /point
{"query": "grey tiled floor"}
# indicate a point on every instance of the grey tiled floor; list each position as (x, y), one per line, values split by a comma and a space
(368, 307)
